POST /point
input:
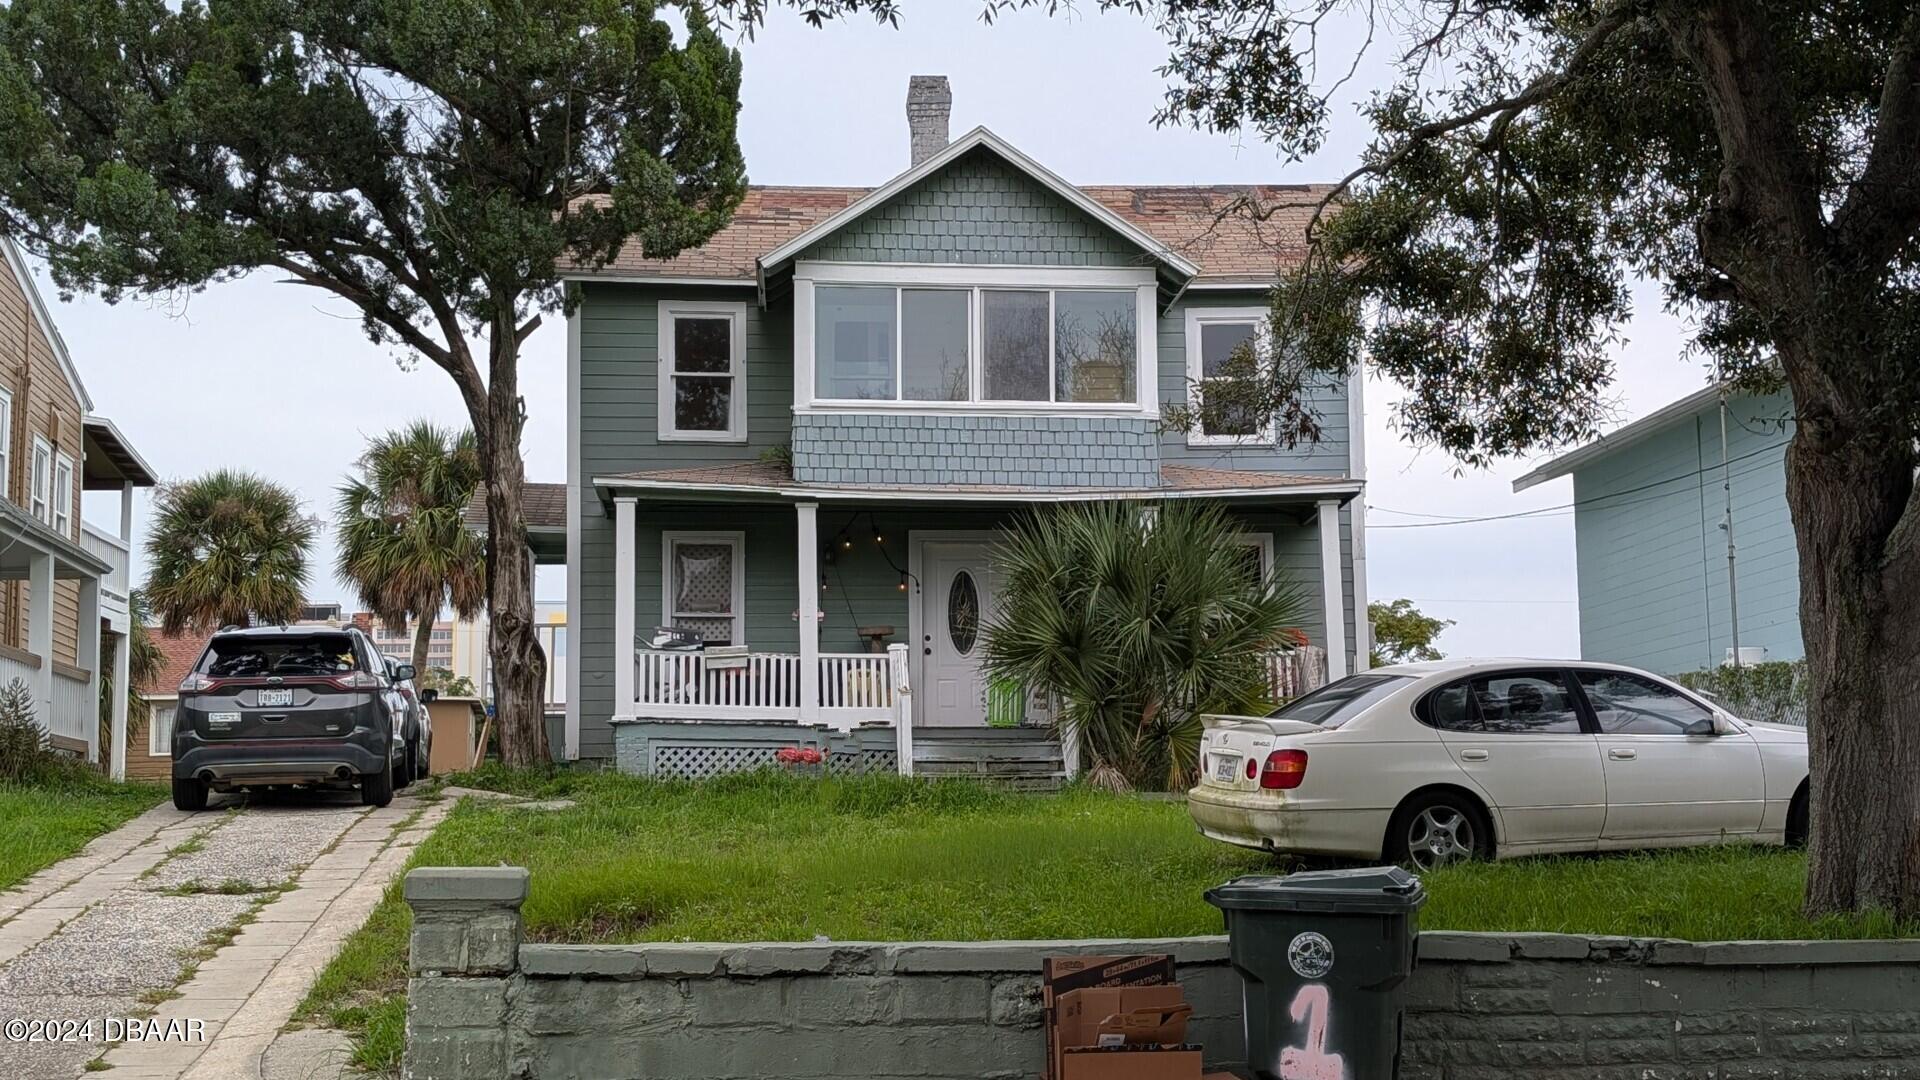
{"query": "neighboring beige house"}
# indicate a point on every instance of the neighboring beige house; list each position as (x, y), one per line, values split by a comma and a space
(150, 750)
(62, 582)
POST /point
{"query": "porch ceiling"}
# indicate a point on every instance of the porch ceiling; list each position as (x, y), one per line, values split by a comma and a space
(24, 537)
(544, 507)
(773, 482)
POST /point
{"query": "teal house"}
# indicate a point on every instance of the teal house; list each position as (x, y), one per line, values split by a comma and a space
(793, 447)
(1650, 516)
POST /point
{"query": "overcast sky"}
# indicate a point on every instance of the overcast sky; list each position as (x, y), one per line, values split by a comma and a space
(279, 379)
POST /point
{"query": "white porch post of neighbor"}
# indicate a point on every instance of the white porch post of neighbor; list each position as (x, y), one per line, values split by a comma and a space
(40, 632)
(122, 673)
(624, 630)
(126, 512)
(87, 652)
(807, 612)
(1334, 591)
(897, 671)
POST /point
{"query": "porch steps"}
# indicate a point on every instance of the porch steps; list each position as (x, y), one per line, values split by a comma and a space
(1028, 759)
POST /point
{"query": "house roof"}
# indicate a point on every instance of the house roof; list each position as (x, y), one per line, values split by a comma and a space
(775, 478)
(1228, 234)
(18, 264)
(111, 460)
(1620, 438)
(180, 650)
(543, 505)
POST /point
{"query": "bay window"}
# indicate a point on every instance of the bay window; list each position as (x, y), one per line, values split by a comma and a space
(977, 344)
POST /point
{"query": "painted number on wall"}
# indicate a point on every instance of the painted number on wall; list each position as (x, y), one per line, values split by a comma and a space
(1312, 1062)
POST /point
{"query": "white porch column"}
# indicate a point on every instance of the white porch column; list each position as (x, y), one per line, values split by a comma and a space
(122, 676)
(1333, 591)
(807, 612)
(40, 632)
(126, 513)
(87, 652)
(624, 614)
(897, 672)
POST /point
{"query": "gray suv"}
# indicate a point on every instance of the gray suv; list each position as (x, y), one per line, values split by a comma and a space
(290, 706)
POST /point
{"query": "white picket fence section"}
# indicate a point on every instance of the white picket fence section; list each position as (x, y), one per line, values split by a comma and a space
(854, 687)
(1296, 672)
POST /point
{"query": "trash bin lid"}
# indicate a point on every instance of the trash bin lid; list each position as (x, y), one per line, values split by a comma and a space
(1383, 890)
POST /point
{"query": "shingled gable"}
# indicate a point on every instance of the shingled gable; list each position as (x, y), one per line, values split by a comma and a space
(1176, 265)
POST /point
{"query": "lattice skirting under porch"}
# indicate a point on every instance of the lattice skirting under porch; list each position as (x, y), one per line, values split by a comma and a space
(699, 749)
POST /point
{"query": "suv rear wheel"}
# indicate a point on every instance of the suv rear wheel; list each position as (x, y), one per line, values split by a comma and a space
(189, 794)
(376, 788)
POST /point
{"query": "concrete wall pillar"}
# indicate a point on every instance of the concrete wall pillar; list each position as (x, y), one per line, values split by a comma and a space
(464, 951)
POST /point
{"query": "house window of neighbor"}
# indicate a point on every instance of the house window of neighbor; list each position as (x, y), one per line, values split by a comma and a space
(705, 579)
(6, 444)
(887, 343)
(1219, 344)
(160, 731)
(42, 478)
(63, 494)
(702, 371)
(1256, 552)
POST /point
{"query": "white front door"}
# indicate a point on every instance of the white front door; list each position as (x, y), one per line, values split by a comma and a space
(956, 595)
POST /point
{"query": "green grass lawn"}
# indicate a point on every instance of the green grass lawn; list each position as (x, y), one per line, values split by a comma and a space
(770, 857)
(51, 818)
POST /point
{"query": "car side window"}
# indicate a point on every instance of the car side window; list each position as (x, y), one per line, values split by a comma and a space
(1450, 708)
(1630, 705)
(1525, 703)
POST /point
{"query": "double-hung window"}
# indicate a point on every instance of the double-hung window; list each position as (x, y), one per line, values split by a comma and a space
(1226, 349)
(703, 367)
(40, 483)
(63, 494)
(6, 444)
(984, 345)
(704, 584)
(160, 730)
(1256, 551)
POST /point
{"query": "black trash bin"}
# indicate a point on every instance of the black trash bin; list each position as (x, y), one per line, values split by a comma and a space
(1325, 956)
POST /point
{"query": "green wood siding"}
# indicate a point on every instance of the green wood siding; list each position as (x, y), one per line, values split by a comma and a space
(979, 209)
(1651, 556)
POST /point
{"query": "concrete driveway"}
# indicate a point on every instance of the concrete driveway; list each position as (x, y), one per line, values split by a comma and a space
(210, 926)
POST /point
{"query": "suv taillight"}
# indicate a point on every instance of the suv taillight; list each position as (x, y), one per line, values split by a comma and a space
(359, 680)
(195, 683)
(1284, 770)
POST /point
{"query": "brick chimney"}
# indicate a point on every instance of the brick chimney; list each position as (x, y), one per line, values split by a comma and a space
(929, 103)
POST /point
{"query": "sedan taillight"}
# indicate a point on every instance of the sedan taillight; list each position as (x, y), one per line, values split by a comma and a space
(1284, 770)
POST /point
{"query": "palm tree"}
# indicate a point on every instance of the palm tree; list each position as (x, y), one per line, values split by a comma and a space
(1137, 625)
(227, 547)
(403, 542)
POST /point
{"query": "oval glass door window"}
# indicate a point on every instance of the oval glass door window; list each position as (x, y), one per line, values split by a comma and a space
(963, 613)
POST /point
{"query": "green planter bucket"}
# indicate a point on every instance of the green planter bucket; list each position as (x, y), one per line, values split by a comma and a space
(1006, 703)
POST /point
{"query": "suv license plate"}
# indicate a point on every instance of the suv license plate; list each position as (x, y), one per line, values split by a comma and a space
(1224, 767)
(272, 698)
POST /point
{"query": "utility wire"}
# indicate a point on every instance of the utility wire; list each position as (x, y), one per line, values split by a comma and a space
(1553, 510)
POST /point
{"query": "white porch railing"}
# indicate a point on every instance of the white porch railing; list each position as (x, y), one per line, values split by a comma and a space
(1299, 671)
(115, 584)
(73, 714)
(854, 687)
(14, 665)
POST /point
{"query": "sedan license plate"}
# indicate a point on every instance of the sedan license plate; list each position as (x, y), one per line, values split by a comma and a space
(272, 698)
(1224, 767)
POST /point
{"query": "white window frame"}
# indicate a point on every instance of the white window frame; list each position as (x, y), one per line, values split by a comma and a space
(6, 444)
(736, 314)
(1198, 317)
(62, 494)
(978, 280)
(1264, 543)
(669, 538)
(156, 746)
(40, 480)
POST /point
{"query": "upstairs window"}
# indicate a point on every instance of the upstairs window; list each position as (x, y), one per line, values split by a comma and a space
(1223, 344)
(703, 371)
(878, 343)
(41, 481)
(6, 444)
(63, 495)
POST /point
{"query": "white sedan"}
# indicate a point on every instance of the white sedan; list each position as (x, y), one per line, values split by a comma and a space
(1429, 763)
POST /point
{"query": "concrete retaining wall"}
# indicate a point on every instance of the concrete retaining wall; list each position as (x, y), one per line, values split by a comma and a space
(483, 1005)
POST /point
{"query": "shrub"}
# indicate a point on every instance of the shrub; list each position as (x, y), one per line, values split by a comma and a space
(1774, 692)
(1137, 627)
(24, 747)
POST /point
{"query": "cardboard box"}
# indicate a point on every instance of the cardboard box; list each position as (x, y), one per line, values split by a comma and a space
(1061, 975)
(1139, 1021)
(1135, 1063)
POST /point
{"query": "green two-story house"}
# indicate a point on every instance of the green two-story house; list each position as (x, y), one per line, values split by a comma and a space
(795, 443)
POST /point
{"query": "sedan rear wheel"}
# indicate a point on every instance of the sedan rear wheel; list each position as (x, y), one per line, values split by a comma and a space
(1435, 830)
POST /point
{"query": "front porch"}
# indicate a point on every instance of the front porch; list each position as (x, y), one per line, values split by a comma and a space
(855, 627)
